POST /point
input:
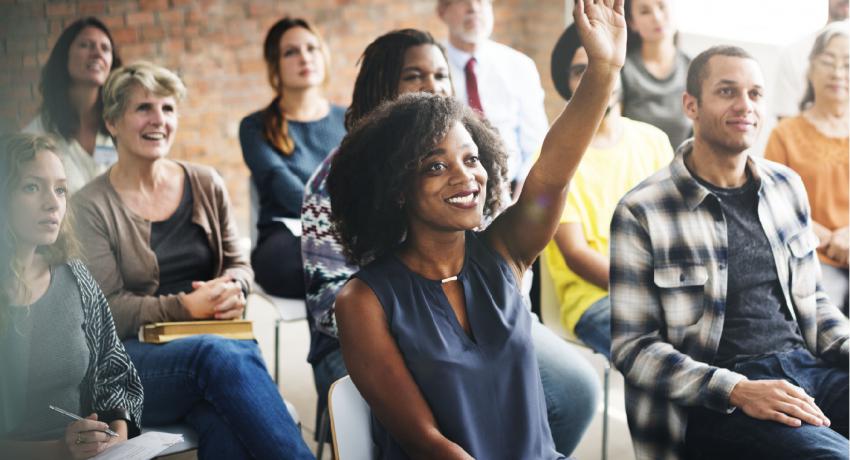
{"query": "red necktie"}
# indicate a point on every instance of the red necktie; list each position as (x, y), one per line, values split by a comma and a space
(472, 86)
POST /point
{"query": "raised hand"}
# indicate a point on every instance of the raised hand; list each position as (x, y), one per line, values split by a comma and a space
(601, 27)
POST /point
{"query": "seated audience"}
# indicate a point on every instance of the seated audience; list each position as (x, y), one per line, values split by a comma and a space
(284, 143)
(729, 347)
(815, 145)
(655, 69)
(160, 240)
(57, 341)
(622, 153)
(396, 63)
(791, 78)
(433, 328)
(71, 107)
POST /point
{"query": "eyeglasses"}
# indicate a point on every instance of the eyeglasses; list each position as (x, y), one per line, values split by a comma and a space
(830, 63)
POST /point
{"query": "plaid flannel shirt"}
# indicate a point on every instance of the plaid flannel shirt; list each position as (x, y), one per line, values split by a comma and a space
(668, 294)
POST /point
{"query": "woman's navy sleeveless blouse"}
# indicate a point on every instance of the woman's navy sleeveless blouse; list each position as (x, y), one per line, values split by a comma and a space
(485, 391)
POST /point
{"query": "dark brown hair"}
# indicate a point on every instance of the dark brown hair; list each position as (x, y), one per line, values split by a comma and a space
(698, 70)
(57, 112)
(275, 127)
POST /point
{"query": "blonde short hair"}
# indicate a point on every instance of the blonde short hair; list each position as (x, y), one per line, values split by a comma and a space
(156, 79)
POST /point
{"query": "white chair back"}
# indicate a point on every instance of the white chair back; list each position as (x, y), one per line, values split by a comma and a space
(350, 422)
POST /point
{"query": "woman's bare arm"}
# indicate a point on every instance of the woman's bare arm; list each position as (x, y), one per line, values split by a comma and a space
(527, 226)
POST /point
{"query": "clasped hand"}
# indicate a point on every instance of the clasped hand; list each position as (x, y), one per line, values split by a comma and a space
(218, 298)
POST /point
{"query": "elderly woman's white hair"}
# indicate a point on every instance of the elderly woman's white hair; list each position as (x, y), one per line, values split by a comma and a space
(156, 79)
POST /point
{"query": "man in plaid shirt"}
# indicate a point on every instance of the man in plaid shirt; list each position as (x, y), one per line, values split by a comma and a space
(728, 344)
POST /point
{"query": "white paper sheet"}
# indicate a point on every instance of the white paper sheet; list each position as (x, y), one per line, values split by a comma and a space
(143, 447)
(294, 225)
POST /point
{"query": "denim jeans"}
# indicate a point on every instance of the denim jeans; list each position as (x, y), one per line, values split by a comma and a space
(594, 327)
(570, 385)
(738, 436)
(221, 388)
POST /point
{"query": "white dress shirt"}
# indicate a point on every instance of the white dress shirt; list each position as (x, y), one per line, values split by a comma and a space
(511, 97)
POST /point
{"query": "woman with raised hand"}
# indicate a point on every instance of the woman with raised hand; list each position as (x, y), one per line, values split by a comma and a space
(159, 238)
(655, 70)
(57, 340)
(434, 329)
(284, 143)
(401, 62)
(815, 145)
(71, 108)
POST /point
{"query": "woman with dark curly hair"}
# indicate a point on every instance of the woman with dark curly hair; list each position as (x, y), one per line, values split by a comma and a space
(398, 62)
(433, 328)
(72, 108)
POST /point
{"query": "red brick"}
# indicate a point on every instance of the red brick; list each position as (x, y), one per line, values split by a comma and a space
(125, 36)
(176, 16)
(114, 21)
(142, 18)
(145, 51)
(60, 9)
(124, 6)
(153, 33)
(153, 5)
(92, 8)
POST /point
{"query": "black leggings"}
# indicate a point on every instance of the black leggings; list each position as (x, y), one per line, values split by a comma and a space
(277, 263)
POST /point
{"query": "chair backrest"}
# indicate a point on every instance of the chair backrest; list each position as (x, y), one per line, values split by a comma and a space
(550, 308)
(350, 422)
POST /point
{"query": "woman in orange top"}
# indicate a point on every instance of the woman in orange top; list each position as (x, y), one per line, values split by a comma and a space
(815, 145)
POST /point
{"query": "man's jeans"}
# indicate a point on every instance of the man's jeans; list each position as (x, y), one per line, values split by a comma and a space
(570, 385)
(221, 388)
(738, 436)
(594, 327)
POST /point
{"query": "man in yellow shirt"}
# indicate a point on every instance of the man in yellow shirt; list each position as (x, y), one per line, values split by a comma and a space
(623, 153)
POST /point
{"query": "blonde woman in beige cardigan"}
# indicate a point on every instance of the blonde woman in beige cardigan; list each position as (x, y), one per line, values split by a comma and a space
(159, 238)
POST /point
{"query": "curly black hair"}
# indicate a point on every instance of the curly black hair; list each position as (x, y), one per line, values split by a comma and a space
(377, 163)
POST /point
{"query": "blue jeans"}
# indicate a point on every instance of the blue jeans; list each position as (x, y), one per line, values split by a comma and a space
(738, 436)
(594, 327)
(570, 385)
(221, 388)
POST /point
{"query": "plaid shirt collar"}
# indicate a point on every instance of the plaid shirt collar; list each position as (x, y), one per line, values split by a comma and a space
(695, 193)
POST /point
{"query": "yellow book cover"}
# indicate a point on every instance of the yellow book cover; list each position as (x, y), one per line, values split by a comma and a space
(166, 332)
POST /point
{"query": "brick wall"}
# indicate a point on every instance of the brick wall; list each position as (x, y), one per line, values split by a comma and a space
(216, 47)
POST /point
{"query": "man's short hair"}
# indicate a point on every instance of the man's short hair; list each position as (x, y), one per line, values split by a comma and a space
(698, 70)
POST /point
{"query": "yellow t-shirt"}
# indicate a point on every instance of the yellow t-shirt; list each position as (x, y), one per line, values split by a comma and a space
(603, 177)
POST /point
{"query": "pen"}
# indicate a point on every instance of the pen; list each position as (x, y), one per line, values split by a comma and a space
(77, 417)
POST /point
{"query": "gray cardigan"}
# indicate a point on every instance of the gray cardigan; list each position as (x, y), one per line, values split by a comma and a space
(116, 244)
